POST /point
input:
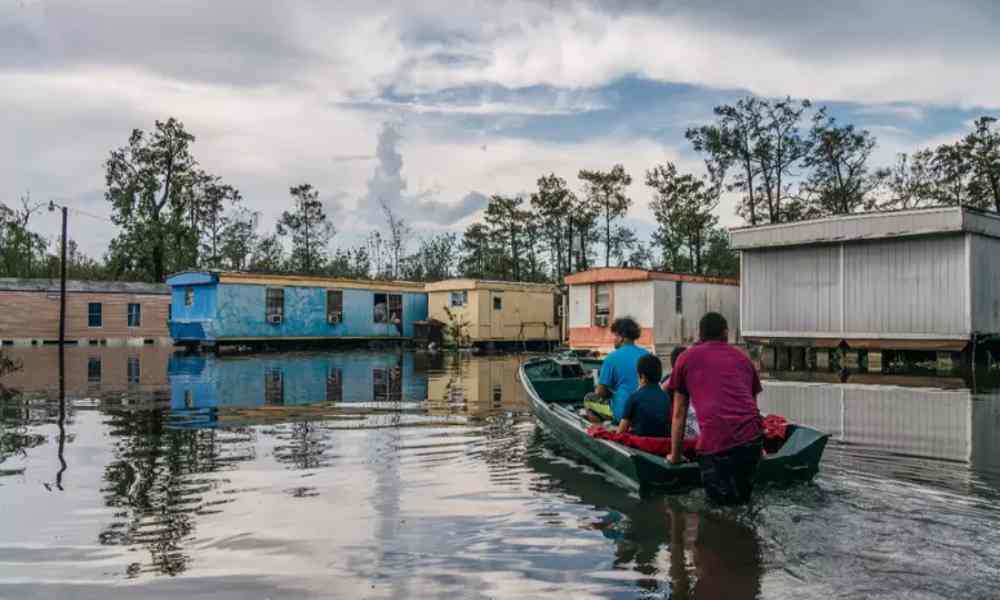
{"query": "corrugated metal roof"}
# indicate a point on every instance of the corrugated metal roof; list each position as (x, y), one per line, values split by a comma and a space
(15, 284)
(868, 226)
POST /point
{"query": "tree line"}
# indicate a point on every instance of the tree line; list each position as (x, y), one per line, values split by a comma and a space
(783, 160)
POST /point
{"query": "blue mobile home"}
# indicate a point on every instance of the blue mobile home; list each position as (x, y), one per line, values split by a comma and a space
(211, 308)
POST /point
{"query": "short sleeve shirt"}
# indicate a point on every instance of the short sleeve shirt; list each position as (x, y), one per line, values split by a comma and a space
(722, 385)
(648, 408)
(618, 374)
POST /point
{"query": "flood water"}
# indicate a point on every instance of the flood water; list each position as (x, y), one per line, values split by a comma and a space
(410, 475)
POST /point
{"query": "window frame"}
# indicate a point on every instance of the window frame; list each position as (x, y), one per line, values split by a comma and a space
(90, 315)
(274, 305)
(138, 314)
(189, 296)
(463, 299)
(498, 302)
(334, 309)
(597, 312)
(94, 370)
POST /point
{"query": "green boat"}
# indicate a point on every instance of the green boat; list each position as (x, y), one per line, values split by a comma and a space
(556, 387)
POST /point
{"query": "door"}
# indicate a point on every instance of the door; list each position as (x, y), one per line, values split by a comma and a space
(496, 315)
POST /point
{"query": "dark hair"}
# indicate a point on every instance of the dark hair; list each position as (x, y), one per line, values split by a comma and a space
(650, 367)
(713, 327)
(675, 354)
(626, 327)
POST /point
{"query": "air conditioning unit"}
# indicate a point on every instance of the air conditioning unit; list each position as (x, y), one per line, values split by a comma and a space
(601, 320)
(274, 319)
(334, 318)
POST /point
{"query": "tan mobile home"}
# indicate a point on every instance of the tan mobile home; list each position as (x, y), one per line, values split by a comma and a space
(498, 311)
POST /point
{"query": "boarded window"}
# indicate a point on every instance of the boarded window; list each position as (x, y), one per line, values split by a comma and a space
(94, 314)
(459, 299)
(275, 305)
(94, 370)
(679, 299)
(602, 304)
(188, 296)
(497, 302)
(134, 315)
(134, 372)
(334, 385)
(334, 307)
(274, 386)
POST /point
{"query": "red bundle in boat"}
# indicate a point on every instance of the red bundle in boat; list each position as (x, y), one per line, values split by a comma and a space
(775, 432)
(653, 445)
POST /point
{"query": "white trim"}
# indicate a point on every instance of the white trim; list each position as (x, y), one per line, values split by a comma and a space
(854, 217)
(855, 335)
(843, 292)
(968, 283)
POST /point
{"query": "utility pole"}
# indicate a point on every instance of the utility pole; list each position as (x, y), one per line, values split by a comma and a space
(62, 287)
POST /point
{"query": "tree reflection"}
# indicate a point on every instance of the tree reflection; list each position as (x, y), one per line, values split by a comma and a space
(155, 484)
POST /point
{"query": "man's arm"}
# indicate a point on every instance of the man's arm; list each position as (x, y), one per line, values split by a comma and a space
(603, 391)
(624, 425)
(677, 427)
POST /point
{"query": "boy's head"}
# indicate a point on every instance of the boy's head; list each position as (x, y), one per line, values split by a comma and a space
(625, 331)
(713, 328)
(650, 369)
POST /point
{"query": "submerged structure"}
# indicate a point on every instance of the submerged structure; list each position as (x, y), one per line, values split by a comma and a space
(97, 312)
(212, 309)
(498, 312)
(667, 306)
(910, 280)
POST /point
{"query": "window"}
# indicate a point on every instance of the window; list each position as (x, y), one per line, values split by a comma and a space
(334, 385)
(334, 307)
(274, 305)
(557, 309)
(133, 370)
(459, 299)
(134, 315)
(94, 314)
(602, 304)
(94, 370)
(274, 386)
(679, 299)
(497, 302)
(388, 308)
(188, 296)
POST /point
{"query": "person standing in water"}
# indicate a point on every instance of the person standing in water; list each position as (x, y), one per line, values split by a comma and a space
(618, 377)
(722, 385)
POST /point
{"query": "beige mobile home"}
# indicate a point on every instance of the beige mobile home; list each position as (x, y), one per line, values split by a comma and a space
(498, 311)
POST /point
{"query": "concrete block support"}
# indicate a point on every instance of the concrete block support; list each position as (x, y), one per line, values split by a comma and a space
(822, 359)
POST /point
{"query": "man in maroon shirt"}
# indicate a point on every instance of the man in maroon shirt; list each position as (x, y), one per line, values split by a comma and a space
(722, 385)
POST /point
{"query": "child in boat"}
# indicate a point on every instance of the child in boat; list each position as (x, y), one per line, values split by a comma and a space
(647, 411)
(691, 425)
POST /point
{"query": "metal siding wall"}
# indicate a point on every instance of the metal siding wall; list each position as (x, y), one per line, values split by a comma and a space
(791, 289)
(634, 299)
(906, 287)
(664, 317)
(985, 253)
(241, 314)
(579, 306)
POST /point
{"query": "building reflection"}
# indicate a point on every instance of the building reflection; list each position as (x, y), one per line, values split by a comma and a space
(476, 385)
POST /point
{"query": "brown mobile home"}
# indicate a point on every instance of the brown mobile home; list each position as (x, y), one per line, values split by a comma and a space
(108, 312)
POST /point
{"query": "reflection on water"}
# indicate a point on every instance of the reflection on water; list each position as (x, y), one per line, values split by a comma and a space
(402, 474)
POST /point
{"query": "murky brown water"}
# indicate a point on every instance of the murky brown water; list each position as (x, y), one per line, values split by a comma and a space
(388, 475)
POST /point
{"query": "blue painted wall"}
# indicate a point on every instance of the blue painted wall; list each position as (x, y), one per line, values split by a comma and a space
(241, 313)
(211, 382)
(227, 310)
